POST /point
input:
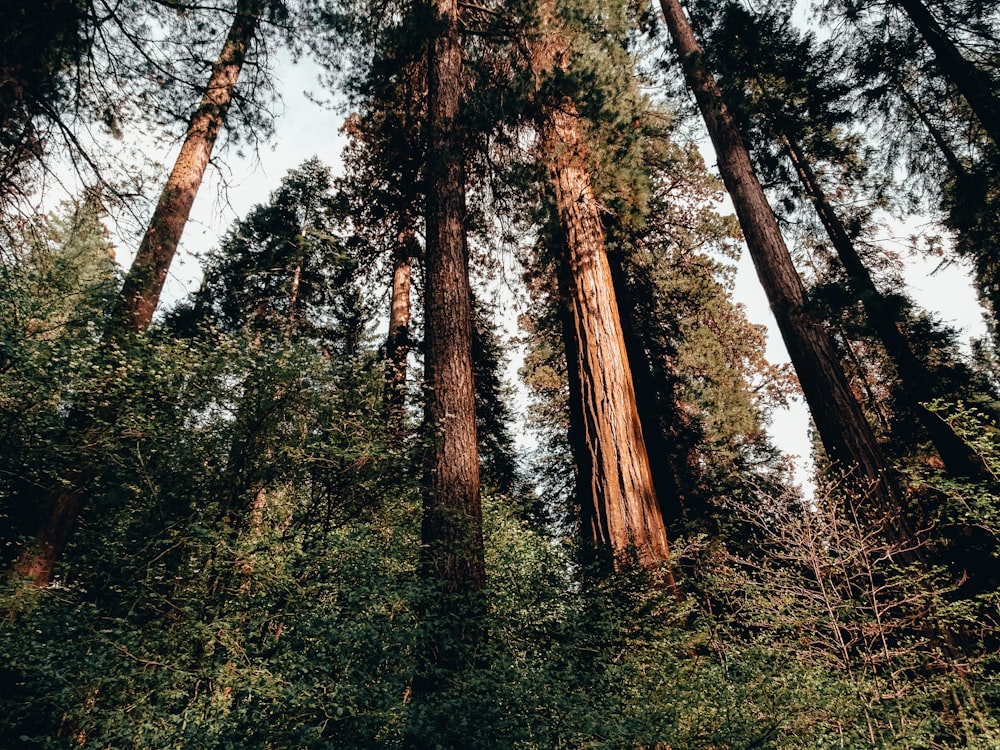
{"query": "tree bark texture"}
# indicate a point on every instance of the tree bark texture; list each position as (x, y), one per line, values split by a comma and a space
(974, 84)
(958, 456)
(397, 345)
(141, 292)
(619, 505)
(452, 521)
(846, 435)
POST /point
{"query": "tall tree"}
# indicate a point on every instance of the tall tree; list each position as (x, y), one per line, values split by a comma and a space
(140, 294)
(451, 530)
(797, 108)
(846, 435)
(615, 482)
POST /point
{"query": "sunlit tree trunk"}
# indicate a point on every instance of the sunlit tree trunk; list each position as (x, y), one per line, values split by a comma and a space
(958, 457)
(974, 84)
(139, 296)
(846, 435)
(397, 345)
(619, 505)
(144, 283)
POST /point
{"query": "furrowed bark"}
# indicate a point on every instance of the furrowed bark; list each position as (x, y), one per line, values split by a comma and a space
(846, 435)
(140, 294)
(619, 507)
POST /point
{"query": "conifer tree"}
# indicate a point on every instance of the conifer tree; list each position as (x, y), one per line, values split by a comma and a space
(975, 85)
(615, 483)
(797, 108)
(141, 292)
(843, 429)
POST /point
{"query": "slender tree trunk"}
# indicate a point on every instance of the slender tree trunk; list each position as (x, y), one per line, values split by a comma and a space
(137, 300)
(959, 458)
(619, 504)
(397, 345)
(144, 283)
(452, 531)
(974, 84)
(843, 429)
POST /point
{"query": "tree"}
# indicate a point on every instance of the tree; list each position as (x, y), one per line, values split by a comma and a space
(799, 110)
(54, 299)
(289, 268)
(452, 517)
(846, 435)
(141, 291)
(974, 84)
(615, 483)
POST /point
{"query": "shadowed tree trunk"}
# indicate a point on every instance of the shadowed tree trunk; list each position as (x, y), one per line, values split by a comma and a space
(451, 555)
(974, 84)
(958, 456)
(843, 429)
(452, 522)
(144, 283)
(618, 502)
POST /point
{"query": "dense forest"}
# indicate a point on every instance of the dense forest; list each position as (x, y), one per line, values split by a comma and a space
(307, 504)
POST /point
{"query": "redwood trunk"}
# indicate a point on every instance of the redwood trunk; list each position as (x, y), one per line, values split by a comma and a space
(397, 345)
(973, 83)
(144, 283)
(958, 457)
(843, 429)
(619, 505)
(452, 520)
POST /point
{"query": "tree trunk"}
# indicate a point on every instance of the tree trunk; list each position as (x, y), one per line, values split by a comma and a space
(452, 523)
(974, 84)
(35, 565)
(451, 556)
(618, 501)
(141, 292)
(958, 456)
(656, 403)
(846, 435)
(397, 345)
(137, 300)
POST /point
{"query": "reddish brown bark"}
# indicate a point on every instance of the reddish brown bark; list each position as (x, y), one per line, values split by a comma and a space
(843, 429)
(452, 520)
(141, 292)
(619, 504)
(397, 345)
